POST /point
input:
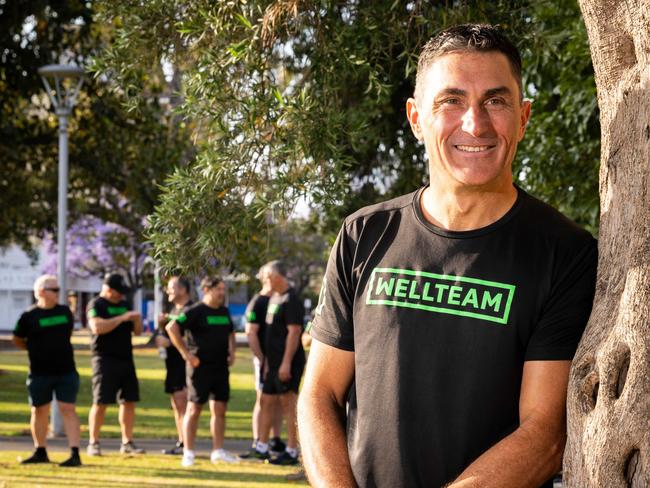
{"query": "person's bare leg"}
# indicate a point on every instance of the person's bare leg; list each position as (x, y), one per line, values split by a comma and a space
(70, 422)
(276, 423)
(179, 404)
(191, 423)
(127, 420)
(265, 417)
(95, 421)
(257, 413)
(289, 409)
(217, 423)
(39, 424)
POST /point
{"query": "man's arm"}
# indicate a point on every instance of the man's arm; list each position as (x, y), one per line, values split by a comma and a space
(174, 332)
(290, 347)
(19, 342)
(137, 323)
(252, 331)
(101, 326)
(321, 416)
(533, 453)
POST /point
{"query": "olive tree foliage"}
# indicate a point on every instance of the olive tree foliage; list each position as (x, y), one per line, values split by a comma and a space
(306, 99)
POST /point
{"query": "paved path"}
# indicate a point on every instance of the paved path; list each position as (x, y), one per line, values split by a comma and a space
(153, 446)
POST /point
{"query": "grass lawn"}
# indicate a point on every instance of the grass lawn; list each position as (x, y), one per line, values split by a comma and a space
(115, 471)
(153, 414)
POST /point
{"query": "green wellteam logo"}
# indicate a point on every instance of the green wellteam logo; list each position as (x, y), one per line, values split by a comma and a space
(454, 295)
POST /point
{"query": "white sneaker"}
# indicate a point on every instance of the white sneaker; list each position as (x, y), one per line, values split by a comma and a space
(223, 456)
(188, 459)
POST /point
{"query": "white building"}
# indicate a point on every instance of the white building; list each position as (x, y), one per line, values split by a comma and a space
(17, 275)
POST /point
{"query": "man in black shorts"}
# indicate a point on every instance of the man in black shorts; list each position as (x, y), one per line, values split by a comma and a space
(209, 351)
(111, 325)
(178, 291)
(449, 317)
(284, 362)
(256, 332)
(44, 330)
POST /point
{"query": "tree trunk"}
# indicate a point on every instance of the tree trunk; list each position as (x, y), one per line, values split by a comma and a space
(609, 391)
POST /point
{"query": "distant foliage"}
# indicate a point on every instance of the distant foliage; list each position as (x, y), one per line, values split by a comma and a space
(299, 99)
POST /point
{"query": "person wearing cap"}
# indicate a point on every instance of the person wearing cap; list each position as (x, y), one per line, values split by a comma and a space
(44, 330)
(208, 349)
(111, 325)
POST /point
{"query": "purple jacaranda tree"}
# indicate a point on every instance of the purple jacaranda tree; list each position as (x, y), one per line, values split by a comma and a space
(95, 247)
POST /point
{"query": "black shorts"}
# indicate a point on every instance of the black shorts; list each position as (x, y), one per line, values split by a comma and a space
(175, 378)
(208, 382)
(273, 386)
(41, 388)
(114, 381)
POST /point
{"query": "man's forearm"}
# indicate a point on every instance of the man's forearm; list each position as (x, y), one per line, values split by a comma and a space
(527, 457)
(173, 331)
(254, 345)
(322, 437)
(137, 326)
(104, 326)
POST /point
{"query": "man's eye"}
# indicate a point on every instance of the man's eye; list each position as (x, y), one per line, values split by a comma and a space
(450, 101)
(495, 101)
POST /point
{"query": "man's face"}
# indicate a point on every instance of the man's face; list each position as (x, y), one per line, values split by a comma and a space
(50, 292)
(218, 293)
(470, 118)
(173, 289)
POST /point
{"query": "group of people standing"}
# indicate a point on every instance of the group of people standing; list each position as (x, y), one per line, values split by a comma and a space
(198, 340)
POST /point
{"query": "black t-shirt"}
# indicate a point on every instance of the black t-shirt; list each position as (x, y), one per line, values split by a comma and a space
(174, 358)
(256, 314)
(207, 331)
(283, 309)
(47, 332)
(441, 323)
(116, 343)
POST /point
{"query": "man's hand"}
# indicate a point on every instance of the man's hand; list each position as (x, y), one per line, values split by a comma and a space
(284, 373)
(193, 360)
(162, 341)
(130, 316)
(163, 318)
(231, 359)
(265, 369)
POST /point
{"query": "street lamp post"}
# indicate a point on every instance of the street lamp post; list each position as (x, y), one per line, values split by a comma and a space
(63, 98)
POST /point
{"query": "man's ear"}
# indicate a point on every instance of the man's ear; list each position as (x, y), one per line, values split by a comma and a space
(414, 118)
(525, 117)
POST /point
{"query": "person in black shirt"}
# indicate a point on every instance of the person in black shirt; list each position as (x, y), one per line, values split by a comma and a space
(209, 349)
(448, 317)
(44, 330)
(255, 332)
(284, 361)
(111, 325)
(178, 291)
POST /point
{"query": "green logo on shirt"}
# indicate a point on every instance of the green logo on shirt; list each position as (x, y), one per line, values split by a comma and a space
(217, 320)
(454, 295)
(117, 310)
(251, 316)
(54, 320)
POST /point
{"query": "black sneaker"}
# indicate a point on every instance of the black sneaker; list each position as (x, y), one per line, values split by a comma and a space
(73, 461)
(177, 449)
(131, 448)
(35, 458)
(260, 455)
(250, 454)
(284, 459)
(276, 446)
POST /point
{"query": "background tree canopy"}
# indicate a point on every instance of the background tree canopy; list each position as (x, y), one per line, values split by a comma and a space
(304, 100)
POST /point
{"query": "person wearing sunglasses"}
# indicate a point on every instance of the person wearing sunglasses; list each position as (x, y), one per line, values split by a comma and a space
(44, 331)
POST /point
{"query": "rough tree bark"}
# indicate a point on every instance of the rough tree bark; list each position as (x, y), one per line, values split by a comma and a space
(609, 392)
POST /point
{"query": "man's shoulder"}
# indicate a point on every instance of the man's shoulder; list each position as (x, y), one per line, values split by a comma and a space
(258, 299)
(386, 207)
(549, 221)
(96, 300)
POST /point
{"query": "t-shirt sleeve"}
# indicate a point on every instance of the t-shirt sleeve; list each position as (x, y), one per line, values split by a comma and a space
(187, 318)
(567, 309)
(20, 330)
(94, 309)
(294, 314)
(332, 323)
(231, 324)
(255, 312)
(70, 318)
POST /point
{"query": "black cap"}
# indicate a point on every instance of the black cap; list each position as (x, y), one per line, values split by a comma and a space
(116, 282)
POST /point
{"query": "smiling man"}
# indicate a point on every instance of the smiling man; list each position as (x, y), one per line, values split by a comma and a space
(449, 317)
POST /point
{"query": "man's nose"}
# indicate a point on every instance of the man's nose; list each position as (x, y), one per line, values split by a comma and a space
(476, 121)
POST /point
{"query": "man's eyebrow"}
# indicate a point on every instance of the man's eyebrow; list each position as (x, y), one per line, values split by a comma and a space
(451, 91)
(501, 90)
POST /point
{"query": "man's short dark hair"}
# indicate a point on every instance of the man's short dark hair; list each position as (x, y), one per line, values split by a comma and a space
(467, 38)
(210, 282)
(276, 266)
(184, 283)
